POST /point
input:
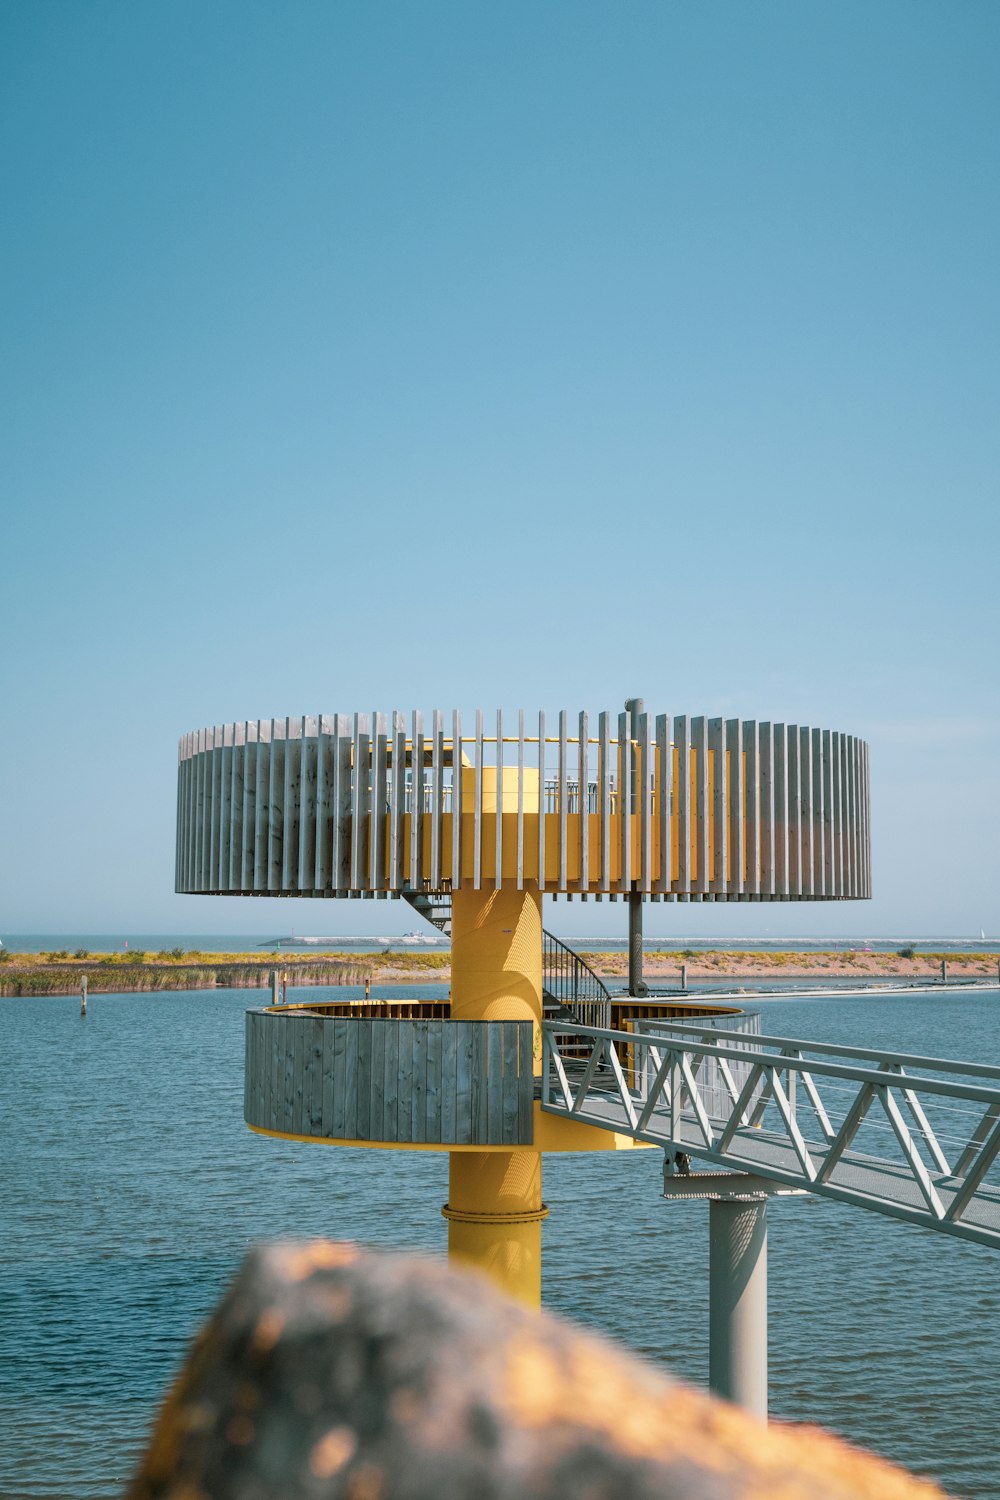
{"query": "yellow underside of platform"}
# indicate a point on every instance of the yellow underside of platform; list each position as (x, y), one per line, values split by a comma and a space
(552, 1133)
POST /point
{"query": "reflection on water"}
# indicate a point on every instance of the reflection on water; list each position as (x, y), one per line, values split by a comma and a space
(131, 1190)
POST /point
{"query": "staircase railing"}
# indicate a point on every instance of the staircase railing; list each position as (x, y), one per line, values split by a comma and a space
(568, 981)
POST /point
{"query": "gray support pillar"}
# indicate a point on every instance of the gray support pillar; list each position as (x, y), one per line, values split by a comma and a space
(636, 987)
(636, 984)
(737, 1273)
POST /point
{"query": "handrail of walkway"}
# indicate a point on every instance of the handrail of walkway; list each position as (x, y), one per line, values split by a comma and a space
(866, 1131)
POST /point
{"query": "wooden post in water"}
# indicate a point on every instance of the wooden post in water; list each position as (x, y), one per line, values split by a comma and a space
(944, 971)
(275, 988)
(83, 994)
(684, 976)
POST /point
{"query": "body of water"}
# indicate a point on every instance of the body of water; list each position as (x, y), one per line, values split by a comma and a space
(131, 1189)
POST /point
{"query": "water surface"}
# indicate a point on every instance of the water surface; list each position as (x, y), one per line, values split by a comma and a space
(131, 1190)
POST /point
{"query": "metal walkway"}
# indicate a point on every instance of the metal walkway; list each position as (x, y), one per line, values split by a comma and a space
(912, 1137)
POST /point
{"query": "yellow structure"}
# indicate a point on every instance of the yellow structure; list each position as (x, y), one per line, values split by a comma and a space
(654, 808)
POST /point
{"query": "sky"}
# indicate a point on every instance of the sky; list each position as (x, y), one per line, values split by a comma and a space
(502, 355)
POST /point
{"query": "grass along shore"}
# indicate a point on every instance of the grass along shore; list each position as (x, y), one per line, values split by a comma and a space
(58, 972)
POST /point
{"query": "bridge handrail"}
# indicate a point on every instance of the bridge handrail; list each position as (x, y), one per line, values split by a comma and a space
(901, 1059)
(652, 1086)
(785, 1061)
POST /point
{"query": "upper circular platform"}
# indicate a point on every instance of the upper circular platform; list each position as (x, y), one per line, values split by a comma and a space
(674, 808)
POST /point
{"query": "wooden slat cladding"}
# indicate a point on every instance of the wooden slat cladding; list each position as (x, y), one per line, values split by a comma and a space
(417, 1082)
(673, 808)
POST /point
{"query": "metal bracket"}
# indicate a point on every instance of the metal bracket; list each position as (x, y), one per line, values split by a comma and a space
(719, 1187)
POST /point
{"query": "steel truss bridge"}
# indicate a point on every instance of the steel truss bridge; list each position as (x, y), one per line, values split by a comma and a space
(908, 1136)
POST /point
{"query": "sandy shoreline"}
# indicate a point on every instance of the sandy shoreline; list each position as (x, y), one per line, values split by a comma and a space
(55, 974)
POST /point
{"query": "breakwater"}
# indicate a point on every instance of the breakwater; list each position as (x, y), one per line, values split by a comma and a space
(151, 978)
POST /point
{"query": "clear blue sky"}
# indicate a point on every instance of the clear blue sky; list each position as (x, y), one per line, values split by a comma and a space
(488, 354)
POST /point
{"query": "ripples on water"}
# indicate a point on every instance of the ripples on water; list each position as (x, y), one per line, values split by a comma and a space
(131, 1190)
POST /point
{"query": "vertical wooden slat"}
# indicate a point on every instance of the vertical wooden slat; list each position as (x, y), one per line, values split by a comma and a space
(818, 813)
(682, 732)
(345, 821)
(449, 1064)
(378, 816)
(699, 739)
(417, 800)
(225, 804)
(779, 775)
(329, 1035)
(290, 806)
(464, 1031)
(276, 1070)
(604, 797)
(361, 795)
(480, 1085)
(276, 805)
(541, 800)
(765, 754)
(235, 851)
(793, 802)
(262, 782)
(351, 1041)
(320, 847)
(362, 1088)
(339, 1129)
(287, 1116)
(867, 814)
(751, 744)
(437, 795)
(829, 813)
(248, 841)
(736, 804)
(563, 785)
(806, 811)
(625, 800)
(397, 800)
(493, 1031)
(525, 1083)
(852, 864)
(215, 819)
(404, 1100)
(390, 1076)
(720, 805)
(498, 826)
(376, 1092)
(509, 1083)
(835, 871)
(308, 792)
(520, 799)
(418, 1078)
(314, 1075)
(477, 805)
(456, 800)
(663, 799)
(644, 799)
(583, 798)
(432, 1045)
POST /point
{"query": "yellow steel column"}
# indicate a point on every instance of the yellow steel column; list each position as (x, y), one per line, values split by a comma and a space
(494, 1208)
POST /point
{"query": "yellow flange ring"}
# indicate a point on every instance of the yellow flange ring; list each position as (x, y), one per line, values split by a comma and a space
(462, 1216)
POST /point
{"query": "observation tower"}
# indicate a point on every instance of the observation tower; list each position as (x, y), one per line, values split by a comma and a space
(472, 824)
